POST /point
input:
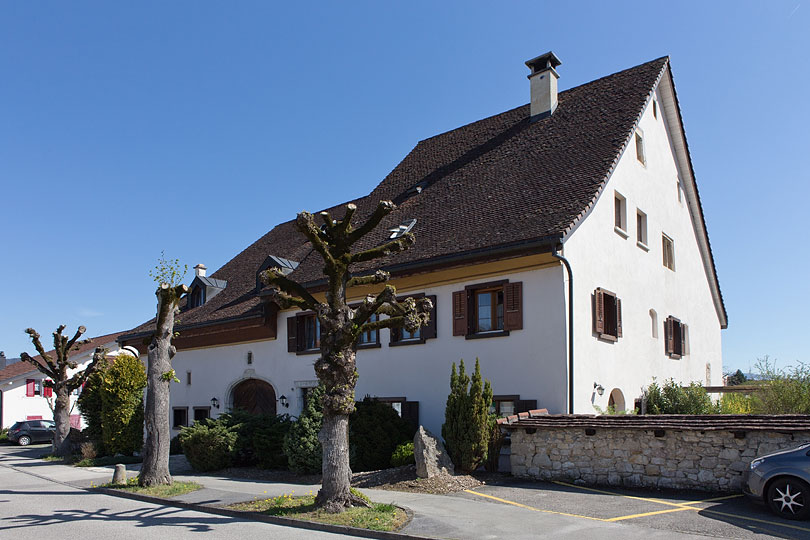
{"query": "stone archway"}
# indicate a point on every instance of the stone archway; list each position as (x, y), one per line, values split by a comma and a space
(254, 396)
(616, 400)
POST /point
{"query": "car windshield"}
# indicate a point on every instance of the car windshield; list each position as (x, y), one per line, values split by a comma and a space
(17, 425)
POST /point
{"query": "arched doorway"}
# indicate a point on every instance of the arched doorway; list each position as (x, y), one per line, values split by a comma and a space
(254, 396)
(616, 400)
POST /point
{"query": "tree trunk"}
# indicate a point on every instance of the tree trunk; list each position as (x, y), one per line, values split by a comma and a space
(61, 417)
(155, 469)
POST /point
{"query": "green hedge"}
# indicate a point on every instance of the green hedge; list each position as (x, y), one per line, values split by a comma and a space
(301, 444)
(375, 432)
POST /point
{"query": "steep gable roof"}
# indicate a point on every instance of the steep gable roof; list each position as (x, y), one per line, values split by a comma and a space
(504, 182)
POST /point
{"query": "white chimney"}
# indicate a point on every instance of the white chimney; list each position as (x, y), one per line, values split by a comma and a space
(200, 270)
(543, 79)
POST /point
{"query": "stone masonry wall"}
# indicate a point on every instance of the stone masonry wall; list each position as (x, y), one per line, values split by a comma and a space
(708, 460)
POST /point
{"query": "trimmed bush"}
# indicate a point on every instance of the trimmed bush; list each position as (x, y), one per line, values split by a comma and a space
(301, 444)
(734, 403)
(375, 431)
(672, 398)
(784, 391)
(403, 455)
(466, 428)
(175, 448)
(4, 436)
(259, 440)
(90, 406)
(208, 445)
(496, 440)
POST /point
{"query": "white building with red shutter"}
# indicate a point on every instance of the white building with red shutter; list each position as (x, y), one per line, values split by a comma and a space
(23, 396)
(562, 242)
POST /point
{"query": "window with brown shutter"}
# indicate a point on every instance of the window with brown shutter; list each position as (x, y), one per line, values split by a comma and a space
(607, 316)
(488, 309)
(676, 338)
(401, 336)
(303, 333)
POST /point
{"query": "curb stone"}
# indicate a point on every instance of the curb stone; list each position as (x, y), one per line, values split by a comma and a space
(276, 520)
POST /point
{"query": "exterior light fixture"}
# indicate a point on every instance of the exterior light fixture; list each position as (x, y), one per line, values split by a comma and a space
(284, 401)
(599, 388)
(214, 403)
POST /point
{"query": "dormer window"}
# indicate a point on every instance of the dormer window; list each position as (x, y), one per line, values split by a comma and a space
(197, 297)
(400, 231)
(286, 267)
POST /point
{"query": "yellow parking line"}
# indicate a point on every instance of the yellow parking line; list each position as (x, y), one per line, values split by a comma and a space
(620, 495)
(757, 520)
(645, 514)
(714, 499)
(531, 507)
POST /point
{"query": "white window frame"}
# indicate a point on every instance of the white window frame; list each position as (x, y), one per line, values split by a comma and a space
(641, 230)
(621, 230)
(641, 153)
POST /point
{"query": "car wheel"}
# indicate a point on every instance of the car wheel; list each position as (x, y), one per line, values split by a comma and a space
(789, 498)
(25, 440)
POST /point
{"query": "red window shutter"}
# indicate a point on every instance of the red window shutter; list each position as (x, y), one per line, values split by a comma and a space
(599, 315)
(618, 318)
(669, 343)
(460, 313)
(429, 331)
(513, 312)
(29, 387)
(684, 339)
(292, 334)
(47, 391)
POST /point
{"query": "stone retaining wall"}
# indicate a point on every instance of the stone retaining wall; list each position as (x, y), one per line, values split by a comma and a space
(618, 456)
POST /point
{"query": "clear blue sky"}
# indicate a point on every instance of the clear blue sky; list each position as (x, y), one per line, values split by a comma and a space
(194, 127)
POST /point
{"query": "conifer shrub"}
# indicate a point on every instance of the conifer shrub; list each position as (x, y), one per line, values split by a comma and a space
(89, 404)
(375, 431)
(494, 445)
(259, 438)
(301, 444)
(122, 405)
(208, 445)
(403, 455)
(466, 430)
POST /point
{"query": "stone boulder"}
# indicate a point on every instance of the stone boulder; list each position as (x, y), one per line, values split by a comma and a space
(431, 456)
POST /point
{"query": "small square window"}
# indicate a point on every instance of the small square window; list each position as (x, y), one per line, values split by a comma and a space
(488, 310)
(640, 147)
(201, 413)
(370, 337)
(179, 417)
(620, 215)
(641, 229)
(312, 332)
(668, 247)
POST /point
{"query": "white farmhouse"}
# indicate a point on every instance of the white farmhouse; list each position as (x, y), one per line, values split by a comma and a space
(24, 397)
(562, 242)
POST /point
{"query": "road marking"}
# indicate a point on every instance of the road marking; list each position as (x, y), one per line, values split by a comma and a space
(757, 520)
(714, 499)
(645, 514)
(667, 503)
(531, 507)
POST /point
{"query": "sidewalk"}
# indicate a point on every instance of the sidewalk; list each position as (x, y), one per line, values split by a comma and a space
(434, 516)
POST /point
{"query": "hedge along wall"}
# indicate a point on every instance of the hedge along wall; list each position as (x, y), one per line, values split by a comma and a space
(687, 452)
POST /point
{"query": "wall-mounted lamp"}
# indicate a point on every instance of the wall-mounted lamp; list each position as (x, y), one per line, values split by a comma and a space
(250, 357)
(599, 388)
(284, 401)
(215, 403)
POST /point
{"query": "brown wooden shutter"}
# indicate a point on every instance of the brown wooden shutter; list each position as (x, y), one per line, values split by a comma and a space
(618, 318)
(525, 405)
(669, 342)
(394, 335)
(599, 315)
(292, 334)
(460, 313)
(410, 413)
(429, 331)
(513, 312)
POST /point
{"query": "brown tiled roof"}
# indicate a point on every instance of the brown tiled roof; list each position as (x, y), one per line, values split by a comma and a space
(713, 422)
(21, 368)
(502, 182)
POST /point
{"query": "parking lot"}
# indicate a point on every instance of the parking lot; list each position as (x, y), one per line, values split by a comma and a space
(719, 515)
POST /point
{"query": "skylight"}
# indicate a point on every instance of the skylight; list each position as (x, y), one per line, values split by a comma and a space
(405, 227)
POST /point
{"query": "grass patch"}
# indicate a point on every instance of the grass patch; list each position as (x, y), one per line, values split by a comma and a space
(161, 491)
(380, 517)
(52, 457)
(105, 461)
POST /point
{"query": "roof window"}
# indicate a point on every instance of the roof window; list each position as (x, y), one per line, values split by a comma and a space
(405, 227)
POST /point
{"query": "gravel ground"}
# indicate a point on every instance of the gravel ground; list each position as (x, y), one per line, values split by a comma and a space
(396, 479)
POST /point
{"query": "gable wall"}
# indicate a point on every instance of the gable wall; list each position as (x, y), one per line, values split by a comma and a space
(602, 258)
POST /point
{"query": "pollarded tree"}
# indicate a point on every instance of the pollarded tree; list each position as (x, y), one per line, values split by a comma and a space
(61, 380)
(160, 375)
(341, 326)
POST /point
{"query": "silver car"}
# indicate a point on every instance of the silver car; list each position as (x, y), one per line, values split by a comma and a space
(782, 481)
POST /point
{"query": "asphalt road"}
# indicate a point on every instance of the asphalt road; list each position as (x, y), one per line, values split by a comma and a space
(31, 507)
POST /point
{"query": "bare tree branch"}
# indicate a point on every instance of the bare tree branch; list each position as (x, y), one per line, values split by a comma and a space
(48, 370)
(394, 246)
(390, 322)
(285, 301)
(380, 276)
(293, 289)
(344, 226)
(383, 209)
(81, 330)
(372, 304)
(35, 339)
(306, 225)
